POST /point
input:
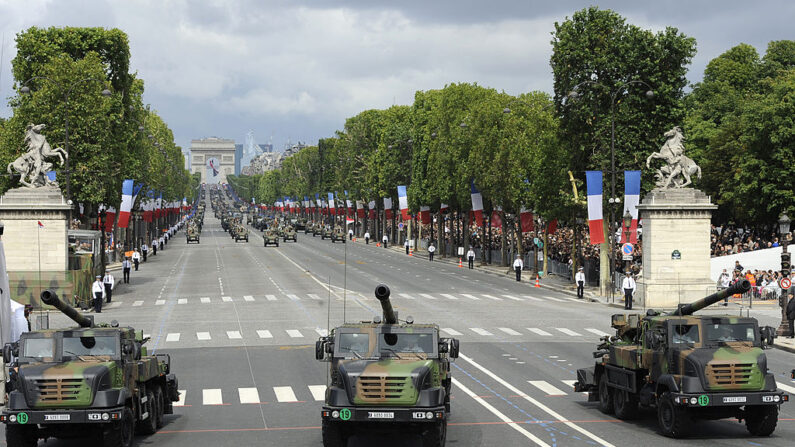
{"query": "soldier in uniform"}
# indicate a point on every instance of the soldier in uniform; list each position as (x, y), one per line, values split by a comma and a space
(108, 281)
(628, 284)
(367, 238)
(471, 258)
(579, 278)
(518, 265)
(385, 240)
(144, 250)
(98, 291)
(154, 246)
(406, 245)
(431, 251)
(126, 266)
(136, 258)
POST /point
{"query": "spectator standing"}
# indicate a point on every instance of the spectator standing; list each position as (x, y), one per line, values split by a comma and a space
(471, 258)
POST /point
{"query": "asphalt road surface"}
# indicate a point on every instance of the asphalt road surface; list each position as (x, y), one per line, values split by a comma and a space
(240, 321)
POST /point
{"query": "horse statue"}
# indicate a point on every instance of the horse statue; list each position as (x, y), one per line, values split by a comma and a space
(672, 152)
(32, 165)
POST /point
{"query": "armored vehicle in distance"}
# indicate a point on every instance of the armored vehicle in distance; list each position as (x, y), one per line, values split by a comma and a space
(326, 232)
(309, 227)
(192, 234)
(687, 367)
(317, 229)
(270, 237)
(289, 234)
(85, 381)
(338, 235)
(386, 374)
(300, 224)
(240, 233)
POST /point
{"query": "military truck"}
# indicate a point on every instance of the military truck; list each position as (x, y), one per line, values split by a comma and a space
(386, 374)
(687, 367)
(270, 236)
(289, 234)
(192, 234)
(309, 227)
(338, 235)
(92, 380)
(317, 228)
(240, 233)
(300, 224)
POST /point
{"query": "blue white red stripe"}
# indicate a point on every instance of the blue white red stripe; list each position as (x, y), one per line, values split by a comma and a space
(593, 184)
(477, 203)
(631, 201)
(127, 199)
(403, 202)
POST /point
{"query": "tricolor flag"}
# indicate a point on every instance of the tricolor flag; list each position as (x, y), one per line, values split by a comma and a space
(317, 200)
(110, 218)
(403, 202)
(477, 204)
(496, 218)
(387, 207)
(526, 218)
(593, 185)
(631, 200)
(425, 215)
(371, 205)
(331, 201)
(127, 199)
(443, 208)
(360, 209)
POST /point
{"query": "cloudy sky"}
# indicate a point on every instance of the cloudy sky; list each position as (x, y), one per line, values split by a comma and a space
(292, 70)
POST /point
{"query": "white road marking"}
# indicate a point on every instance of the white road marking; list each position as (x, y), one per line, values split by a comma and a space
(318, 392)
(226, 299)
(492, 297)
(535, 402)
(264, 334)
(509, 331)
(294, 333)
(499, 414)
(173, 336)
(480, 331)
(314, 297)
(203, 335)
(531, 298)
(547, 388)
(511, 297)
(160, 302)
(322, 332)
(553, 299)
(270, 297)
(248, 298)
(293, 297)
(451, 331)
(233, 335)
(182, 301)
(205, 300)
(138, 303)
(212, 397)
(147, 336)
(568, 331)
(181, 401)
(248, 395)
(471, 297)
(596, 331)
(449, 297)
(787, 388)
(539, 331)
(427, 296)
(284, 394)
(406, 296)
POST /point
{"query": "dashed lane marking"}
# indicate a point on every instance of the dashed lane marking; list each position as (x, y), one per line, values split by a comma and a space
(160, 302)
(480, 331)
(492, 297)
(568, 332)
(270, 297)
(172, 336)
(511, 297)
(181, 401)
(318, 392)
(547, 388)
(182, 301)
(406, 296)
(226, 299)
(451, 331)
(596, 331)
(138, 303)
(248, 395)
(234, 335)
(449, 297)
(284, 394)
(474, 298)
(264, 334)
(212, 397)
(538, 331)
(203, 336)
(509, 331)
(248, 298)
(294, 333)
(427, 296)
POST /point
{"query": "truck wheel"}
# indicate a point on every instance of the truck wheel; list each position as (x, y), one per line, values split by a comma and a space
(625, 404)
(22, 435)
(605, 395)
(160, 404)
(333, 435)
(760, 420)
(436, 436)
(149, 425)
(673, 420)
(122, 433)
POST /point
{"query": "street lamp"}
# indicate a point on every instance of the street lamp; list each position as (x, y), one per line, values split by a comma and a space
(783, 230)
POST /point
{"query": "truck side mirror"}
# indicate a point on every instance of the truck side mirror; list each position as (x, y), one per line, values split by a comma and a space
(767, 335)
(454, 346)
(7, 353)
(320, 350)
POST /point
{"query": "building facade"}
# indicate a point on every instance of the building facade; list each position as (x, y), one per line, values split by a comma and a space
(214, 158)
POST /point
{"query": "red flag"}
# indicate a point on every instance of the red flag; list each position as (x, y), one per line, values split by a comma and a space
(552, 226)
(526, 218)
(388, 214)
(425, 215)
(496, 219)
(41, 225)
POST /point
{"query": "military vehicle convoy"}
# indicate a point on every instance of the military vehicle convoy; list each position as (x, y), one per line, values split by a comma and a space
(92, 380)
(386, 374)
(289, 234)
(240, 233)
(270, 236)
(192, 234)
(317, 229)
(338, 235)
(687, 367)
(326, 232)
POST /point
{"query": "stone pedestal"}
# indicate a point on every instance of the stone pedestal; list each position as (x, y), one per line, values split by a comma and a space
(21, 210)
(676, 247)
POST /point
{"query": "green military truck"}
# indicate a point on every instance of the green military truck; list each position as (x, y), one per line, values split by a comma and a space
(192, 234)
(317, 229)
(289, 234)
(270, 236)
(240, 233)
(338, 235)
(86, 381)
(386, 374)
(326, 232)
(687, 367)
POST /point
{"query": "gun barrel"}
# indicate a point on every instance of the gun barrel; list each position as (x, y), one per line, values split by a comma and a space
(382, 293)
(688, 309)
(50, 297)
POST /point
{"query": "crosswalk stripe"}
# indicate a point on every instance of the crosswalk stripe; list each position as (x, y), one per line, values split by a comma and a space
(449, 297)
(492, 297)
(293, 297)
(427, 296)
(511, 297)
(531, 298)
(203, 335)
(314, 297)
(182, 301)
(318, 392)
(480, 331)
(294, 333)
(205, 300)
(264, 334)
(248, 395)
(406, 296)
(509, 331)
(547, 388)
(787, 388)
(181, 401)
(138, 303)
(233, 335)
(212, 397)
(321, 332)
(270, 297)
(248, 297)
(471, 297)
(596, 331)
(160, 302)
(284, 394)
(539, 331)
(568, 331)
(451, 331)
(226, 299)
(173, 336)
(554, 299)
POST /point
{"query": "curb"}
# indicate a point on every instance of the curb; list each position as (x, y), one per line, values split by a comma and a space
(785, 348)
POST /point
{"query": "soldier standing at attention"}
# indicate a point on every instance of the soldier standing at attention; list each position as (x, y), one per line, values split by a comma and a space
(384, 240)
(518, 265)
(98, 290)
(350, 234)
(162, 242)
(144, 250)
(126, 266)
(579, 278)
(471, 258)
(367, 238)
(431, 251)
(108, 283)
(406, 244)
(628, 284)
(136, 257)
(154, 246)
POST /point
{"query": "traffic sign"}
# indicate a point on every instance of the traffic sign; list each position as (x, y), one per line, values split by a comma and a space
(785, 283)
(627, 249)
(400, 225)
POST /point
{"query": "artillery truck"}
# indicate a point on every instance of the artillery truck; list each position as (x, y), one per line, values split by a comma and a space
(688, 367)
(386, 374)
(92, 380)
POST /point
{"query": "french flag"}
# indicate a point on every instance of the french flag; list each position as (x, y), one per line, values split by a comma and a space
(403, 202)
(127, 199)
(331, 201)
(477, 204)
(631, 201)
(526, 218)
(110, 218)
(360, 209)
(371, 205)
(593, 184)
(425, 215)
(317, 200)
(443, 208)
(387, 208)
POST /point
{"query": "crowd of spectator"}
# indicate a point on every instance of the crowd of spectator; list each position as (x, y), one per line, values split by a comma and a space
(730, 239)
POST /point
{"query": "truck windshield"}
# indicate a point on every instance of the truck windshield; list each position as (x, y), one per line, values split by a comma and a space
(726, 332)
(354, 345)
(406, 342)
(685, 333)
(39, 348)
(89, 346)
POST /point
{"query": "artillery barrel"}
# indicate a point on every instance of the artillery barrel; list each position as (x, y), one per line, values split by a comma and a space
(51, 298)
(688, 309)
(382, 293)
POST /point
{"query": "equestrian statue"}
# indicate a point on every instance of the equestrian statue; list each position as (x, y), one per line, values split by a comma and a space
(32, 166)
(677, 164)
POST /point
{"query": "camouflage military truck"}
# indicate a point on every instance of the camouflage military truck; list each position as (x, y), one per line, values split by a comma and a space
(270, 236)
(240, 233)
(317, 228)
(300, 224)
(385, 375)
(326, 232)
(338, 235)
(687, 367)
(192, 233)
(308, 227)
(289, 234)
(86, 381)
(225, 223)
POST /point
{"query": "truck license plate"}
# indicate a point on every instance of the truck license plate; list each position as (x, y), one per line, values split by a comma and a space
(380, 415)
(734, 400)
(56, 417)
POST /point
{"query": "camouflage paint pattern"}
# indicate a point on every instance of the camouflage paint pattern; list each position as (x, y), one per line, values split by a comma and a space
(74, 285)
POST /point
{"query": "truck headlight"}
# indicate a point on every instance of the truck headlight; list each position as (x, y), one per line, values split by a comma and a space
(105, 416)
(335, 414)
(776, 398)
(12, 418)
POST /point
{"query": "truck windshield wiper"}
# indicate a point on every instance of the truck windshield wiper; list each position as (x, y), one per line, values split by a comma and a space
(394, 352)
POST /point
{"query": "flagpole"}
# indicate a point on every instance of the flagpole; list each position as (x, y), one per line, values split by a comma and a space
(38, 243)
